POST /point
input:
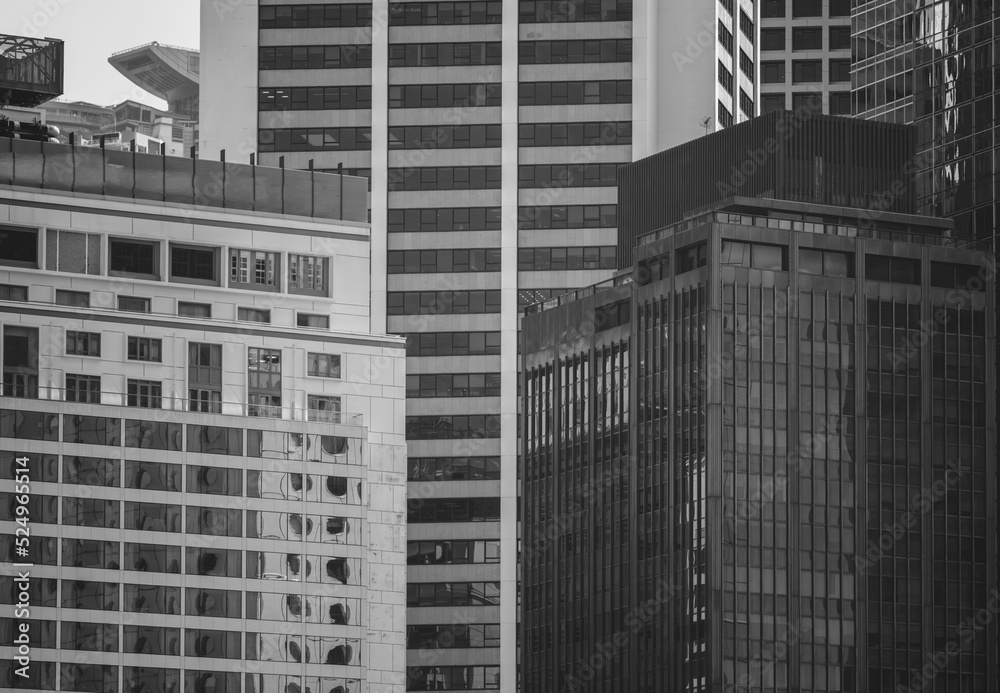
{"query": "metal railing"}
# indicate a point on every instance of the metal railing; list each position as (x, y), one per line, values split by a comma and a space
(154, 43)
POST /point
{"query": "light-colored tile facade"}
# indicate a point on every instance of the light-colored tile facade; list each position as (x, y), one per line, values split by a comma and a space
(212, 542)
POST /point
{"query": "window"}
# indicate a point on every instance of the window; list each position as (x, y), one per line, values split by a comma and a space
(314, 139)
(77, 299)
(827, 262)
(772, 39)
(314, 57)
(216, 440)
(133, 304)
(220, 522)
(447, 13)
(573, 134)
(69, 251)
(153, 476)
(773, 71)
(452, 343)
(746, 104)
(137, 259)
(578, 258)
(725, 78)
(725, 38)
(453, 385)
(445, 636)
(452, 468)
(215, 603)
(324, 408)
(567, 217)
(444, 95)
(455, 510)
(725, 116)
(152, 435)
(840, 103)
(579, 51)
(18, 247)
(193, 264)
(807, 71)
(9, 292)
(452, 427)
(310, 320)
(773, 102)
(952, 275)
(746, 65)
(194, 310)
(144, 349)
(205, 377)
(144, 393)
(444, 178)
(444, 54)
(460, 552)
(444, 136)
(691, 257)
(83, 343)
(840, 70)
(807, 100)
(324, 365)
(807, 39)
(314, 98)
(840, 38)
(443, 219)
(431, 261)
(308, 275)
(315, 16)
(20, 361)
(568, 175)
(573, 93)
(83, 388)
(884, 268)
(755, 255)
(840, 8)
(264, 382)
(253, 315)
(216, 480)
(443, 302)
(773, 8)
(452, 593)
(253, 269)
(807, 8)
(534, 11)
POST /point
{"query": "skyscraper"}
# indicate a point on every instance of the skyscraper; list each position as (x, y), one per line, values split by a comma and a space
(491, 133)
(207, 438)
(761, 460)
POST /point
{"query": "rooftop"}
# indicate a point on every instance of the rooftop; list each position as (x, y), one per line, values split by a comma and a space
(31, 70)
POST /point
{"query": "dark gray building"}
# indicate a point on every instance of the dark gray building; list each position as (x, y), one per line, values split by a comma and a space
(761, 460)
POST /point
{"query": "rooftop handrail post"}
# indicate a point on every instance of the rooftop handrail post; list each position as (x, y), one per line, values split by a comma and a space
(222, 158)
(281, 165)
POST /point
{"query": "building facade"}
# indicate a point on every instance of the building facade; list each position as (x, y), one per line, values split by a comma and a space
(491, 134)
(805, 55)
(803, 399)
(212, 436)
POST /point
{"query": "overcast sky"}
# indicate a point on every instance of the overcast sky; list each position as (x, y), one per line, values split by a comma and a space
(94, 29)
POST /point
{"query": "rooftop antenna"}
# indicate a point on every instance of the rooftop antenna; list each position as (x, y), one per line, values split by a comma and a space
(706, 123)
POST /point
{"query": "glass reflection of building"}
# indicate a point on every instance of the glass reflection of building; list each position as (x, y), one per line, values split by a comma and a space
(806, 504)
(243, 530)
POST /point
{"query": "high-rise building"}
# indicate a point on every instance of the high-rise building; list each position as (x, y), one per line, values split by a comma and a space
(491, 133)
(805, 55)
(199, 431)
(761, 459)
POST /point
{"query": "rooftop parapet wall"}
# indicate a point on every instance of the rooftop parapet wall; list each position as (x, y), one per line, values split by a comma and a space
(170, 179)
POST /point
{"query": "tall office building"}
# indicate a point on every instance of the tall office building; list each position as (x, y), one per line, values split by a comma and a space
(491, 132)
(761, 460)
(211, 435)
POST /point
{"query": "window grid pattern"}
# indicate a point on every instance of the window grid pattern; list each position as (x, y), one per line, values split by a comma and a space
(443, 302)
(430, 261)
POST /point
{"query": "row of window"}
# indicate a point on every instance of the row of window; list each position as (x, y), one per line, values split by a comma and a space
(596, 257)
(560, 11)
(567, 175)
(445, 13)
(453, 678)
(438, 219)
(314, 57)
(444, 136)
(574, 93)
(314, 139)
(452, 343)
(452, 427)
(806, 71)
(453, 385)
(314, 98)
(453, 594)
(578, 51)
(840, 101)
(460, 552)
(429, 261)
(806, 38)
(443, 302)
(573, 134)
(567, 217)
(452, 468)
(163, 435)
(805, 8)
(444, 178)
(445, 54)
(427, 637)
(314, 16)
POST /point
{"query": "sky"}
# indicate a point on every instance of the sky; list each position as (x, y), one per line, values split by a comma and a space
(94, 29)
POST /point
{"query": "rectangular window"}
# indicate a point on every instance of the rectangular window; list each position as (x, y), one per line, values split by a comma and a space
(10, 292)
(691, 257)
(324, 409)
(253, 315)
(840, 38)
(310, 320)
(194, 310)
(746, 65)
(144, 349)
(264, 382)
(205, 377)
(773, 8)
(69, 251)
(77, 299)
(725, 116)
(133, 304)
(756, 255)
(144, 393)
(137, 259)
(840, 70)
(216, 440)
(812, 100)
(772, 39)
(253, 269)
(746, 104)
(18, 247)
(807, 71)
(807, 8)
(746, 26)
(840, 8)
(725, 38)
(807, 39)
(773, 72)
(194, 264)
(826, 262)
(884, 268)
(308, 274)
(83, 343)
(324, 365)
(773, 102)
(83, 388)
(725, 78)
(840, 103)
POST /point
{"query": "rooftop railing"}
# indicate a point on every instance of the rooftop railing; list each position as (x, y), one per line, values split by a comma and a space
(154, 43)
(572, 296)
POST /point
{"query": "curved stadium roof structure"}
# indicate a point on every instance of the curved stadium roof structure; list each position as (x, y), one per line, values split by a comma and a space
(169, 72)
